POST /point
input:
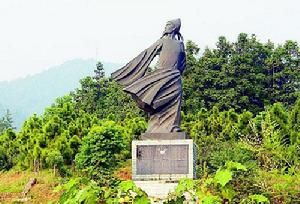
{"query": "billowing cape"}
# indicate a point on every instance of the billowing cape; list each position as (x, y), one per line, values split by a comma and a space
(137, 67)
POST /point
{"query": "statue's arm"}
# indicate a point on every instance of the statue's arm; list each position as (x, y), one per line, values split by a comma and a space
(138, 66)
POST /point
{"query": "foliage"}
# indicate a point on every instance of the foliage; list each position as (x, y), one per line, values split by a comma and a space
(81, 190)
(4, 161)
(78, 190)
(55, 160)
(99, 71)
(279, 186)
(7, 149)
(127, 192)
(106, 99)
(244, 75)
(216, 189)
(6, 122)
(100, 149)
(256, 198)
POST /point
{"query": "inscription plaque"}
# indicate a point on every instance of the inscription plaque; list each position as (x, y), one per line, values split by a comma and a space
(162, 159)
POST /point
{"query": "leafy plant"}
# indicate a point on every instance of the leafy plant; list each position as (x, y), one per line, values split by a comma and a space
(127, 192)
(79, 190)
(212, 190)
(54, 160)
(256, 198)
(100, 148)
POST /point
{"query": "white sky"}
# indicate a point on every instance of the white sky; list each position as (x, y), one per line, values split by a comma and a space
(37, 34)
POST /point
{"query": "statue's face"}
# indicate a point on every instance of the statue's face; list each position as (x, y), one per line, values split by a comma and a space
(169, 28)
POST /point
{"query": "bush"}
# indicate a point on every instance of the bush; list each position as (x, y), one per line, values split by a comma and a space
(219, 188)
(227, 151)
(100, 148)
(4, 163)
(79, 190)
(55, 160)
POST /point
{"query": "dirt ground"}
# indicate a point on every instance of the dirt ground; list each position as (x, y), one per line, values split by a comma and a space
(12, 184)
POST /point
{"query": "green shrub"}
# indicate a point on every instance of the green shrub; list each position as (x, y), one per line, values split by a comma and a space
(79, 190)
(100, 148)
(228, 151)
(126, 192)
(215, 189)
(4, 161)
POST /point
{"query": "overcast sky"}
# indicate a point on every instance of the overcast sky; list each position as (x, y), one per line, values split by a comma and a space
(38, 34)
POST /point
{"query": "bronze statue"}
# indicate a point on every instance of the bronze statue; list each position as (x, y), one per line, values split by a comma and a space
(158, 92)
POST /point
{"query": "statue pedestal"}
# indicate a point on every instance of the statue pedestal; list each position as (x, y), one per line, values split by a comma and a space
(158, 164)
(163, 159)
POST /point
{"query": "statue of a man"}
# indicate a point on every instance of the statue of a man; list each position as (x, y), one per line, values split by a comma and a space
(158, 92)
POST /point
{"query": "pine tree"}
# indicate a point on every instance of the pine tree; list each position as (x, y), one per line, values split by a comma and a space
(6, 122)
(99, 71)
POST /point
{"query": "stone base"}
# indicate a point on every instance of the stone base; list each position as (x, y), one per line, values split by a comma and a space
(164, 136)
(156, 189)
(168, 160)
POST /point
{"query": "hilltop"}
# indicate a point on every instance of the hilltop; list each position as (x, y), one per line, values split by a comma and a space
(32, 94)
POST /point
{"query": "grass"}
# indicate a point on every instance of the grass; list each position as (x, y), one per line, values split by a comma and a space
(12, 184)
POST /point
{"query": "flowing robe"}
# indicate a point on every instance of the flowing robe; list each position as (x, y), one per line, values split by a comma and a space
(158, 92)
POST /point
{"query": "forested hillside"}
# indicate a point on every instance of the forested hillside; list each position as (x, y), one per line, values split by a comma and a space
(2, 110)
(32, 94)
(241, 106)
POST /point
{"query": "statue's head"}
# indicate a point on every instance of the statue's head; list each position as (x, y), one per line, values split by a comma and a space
(173, 27)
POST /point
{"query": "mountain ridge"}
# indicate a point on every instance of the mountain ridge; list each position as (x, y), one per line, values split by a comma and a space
(31, 94)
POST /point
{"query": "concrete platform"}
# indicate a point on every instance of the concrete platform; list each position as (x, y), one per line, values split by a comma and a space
(156, 189)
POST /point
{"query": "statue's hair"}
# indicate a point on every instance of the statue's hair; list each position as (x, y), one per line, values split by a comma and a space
(179, 36)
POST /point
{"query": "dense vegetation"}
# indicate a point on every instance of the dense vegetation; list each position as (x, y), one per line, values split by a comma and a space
(241, 107)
